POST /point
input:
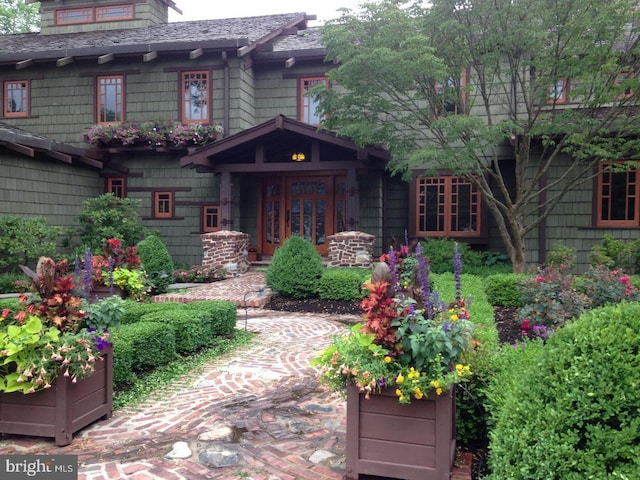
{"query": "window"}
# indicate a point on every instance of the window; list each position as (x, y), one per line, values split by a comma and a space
(210, 217)
(195, 97)
(623, 81)
(163, 205)
(307, 105)
(447, 206)
(116, 186)
(110, 99)
(114, 12)
(90, 14)
(452, 95)
(16, 98)
(558, 91)
(618, 199)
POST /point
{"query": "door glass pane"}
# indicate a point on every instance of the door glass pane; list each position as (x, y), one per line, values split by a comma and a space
(295, 218)
(308, 220)
(320, 221)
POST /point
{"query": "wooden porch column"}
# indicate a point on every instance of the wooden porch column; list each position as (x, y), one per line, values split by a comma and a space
(352, 201)
(225, 201)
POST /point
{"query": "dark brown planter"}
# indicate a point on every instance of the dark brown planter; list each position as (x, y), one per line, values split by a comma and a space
(100, 292)
(408, 442)
(63, 409)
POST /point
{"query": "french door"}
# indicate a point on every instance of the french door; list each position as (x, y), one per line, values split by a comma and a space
(311, 207)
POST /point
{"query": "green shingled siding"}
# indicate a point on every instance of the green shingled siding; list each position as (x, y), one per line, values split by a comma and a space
(45, 187)
(242, 100)
(371, 208)
(162, 171)
(275, 95)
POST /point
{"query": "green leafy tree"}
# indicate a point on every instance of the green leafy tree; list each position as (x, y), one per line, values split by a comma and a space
(18, 17)
(400, 83)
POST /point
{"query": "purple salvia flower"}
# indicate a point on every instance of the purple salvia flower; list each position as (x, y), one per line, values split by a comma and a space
(425, 284)
(457, 270)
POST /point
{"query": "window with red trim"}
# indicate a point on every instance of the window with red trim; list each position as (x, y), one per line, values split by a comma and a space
(210, 218)
(307, 105)
(195, 97)
(618, 199)
(623, 81)
(107, 13)
(558, 91)
(447, 206)
(116, 186)
(163, 204)
(452, 95)
(110, 99)
(16, 98)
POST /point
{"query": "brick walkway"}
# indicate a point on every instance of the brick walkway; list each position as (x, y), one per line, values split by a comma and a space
(265, 397)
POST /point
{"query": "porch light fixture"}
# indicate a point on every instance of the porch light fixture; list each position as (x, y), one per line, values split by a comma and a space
(298, 157)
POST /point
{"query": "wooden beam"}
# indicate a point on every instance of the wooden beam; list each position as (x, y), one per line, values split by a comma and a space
(24, 64)
(291, 61)
(63, 157)
(147, 57)
(61, 62)
(195, 53)
(105, 58)
(16, 147)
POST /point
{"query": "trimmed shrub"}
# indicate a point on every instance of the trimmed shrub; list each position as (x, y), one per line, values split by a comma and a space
(8, 282)
(156, 262)
(569, 409)
(295, 269)
(191, 328)
(440, 254)
(342, 283)
(503, 290)
(24, 240)
(221, 316)
(133, 311)
(149, 345)
(12, 304)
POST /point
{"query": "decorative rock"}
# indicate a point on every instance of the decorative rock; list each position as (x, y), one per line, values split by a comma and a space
(218, 457)
(217, 434)
(180, 450)
(320, 456)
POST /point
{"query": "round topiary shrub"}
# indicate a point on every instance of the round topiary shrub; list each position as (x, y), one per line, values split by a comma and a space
(569, 410)
(156, 262)
(295, 269)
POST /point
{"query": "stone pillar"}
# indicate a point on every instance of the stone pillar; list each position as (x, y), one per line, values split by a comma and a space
(350, 249)
(223, 248)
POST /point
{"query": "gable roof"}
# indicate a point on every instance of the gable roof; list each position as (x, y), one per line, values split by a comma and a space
(218, 34)
(278, 131)
(31, 145)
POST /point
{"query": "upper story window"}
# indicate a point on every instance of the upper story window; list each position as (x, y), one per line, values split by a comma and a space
(558, 91)
(447, 206)
(16, 98)
(617, 197)
(307, 105)
(195, 97)
(117, 186)
(110, 99)
(107, 13)
(623, 81)
(452, 95)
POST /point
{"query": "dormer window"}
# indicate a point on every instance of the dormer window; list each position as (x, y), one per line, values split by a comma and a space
(558, 91)
(108, 13)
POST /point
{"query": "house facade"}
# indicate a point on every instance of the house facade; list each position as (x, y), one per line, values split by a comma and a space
(97, 66)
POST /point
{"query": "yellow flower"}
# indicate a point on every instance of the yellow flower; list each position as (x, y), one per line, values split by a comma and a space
(454, 317)
(398, 392)
(400, 379)
(387, 359)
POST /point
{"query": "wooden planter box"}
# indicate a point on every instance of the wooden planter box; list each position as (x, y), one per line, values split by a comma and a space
(60, 411)
(408, 442)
